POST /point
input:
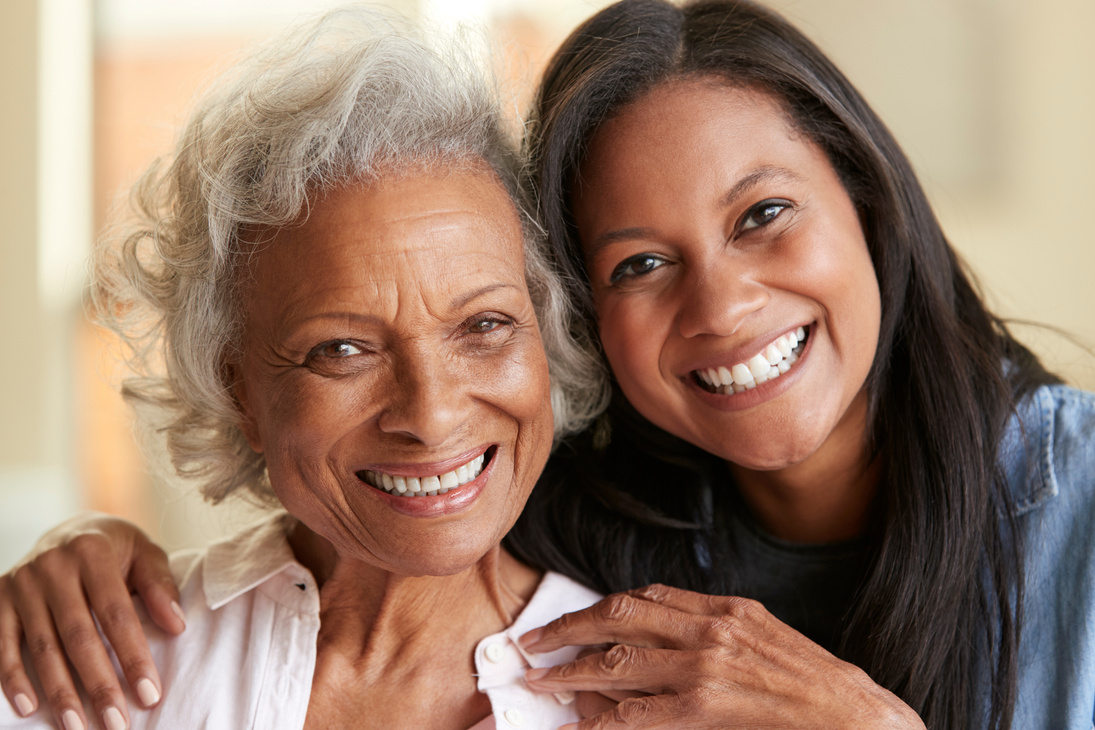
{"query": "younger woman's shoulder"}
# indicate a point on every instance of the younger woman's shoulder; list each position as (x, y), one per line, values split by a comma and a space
(1048, 451)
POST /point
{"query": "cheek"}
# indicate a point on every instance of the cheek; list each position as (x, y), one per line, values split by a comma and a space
(519, 386)
(632, 339)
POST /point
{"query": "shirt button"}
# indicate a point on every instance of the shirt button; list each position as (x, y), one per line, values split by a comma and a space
(494, 653)
(515, 718)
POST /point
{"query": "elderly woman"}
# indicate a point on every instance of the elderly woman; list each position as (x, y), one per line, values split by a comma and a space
(338, 277)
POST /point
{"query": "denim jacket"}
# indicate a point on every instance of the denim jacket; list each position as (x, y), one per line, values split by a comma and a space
(1049, 458)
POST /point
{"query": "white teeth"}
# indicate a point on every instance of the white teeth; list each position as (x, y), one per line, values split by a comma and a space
(426, 486)
(742, 374)
(759, 367)
(774, 360)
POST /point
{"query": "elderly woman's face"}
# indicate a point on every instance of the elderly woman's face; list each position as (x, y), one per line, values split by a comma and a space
(392, 371)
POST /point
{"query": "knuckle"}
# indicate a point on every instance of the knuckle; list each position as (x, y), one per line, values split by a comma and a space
(635, 710)
(42, 648)
(709, 664)
(78, 637)
(700, 701)
(720, 630)
(114, 615)
(101, 694)
(745, 609)
(656, 592)
(90, 545)
(134, 668)
(23, 579)
(9, 675)
(617, 659)
(61, 699)
(616, 609)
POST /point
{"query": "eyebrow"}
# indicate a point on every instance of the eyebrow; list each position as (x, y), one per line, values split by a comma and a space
(742, 186)
(462, 301)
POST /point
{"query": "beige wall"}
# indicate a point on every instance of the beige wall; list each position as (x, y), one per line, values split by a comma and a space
(36, 487)
(992, 99)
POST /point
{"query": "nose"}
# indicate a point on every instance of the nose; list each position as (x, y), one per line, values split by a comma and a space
(716, 297)
(429, 401)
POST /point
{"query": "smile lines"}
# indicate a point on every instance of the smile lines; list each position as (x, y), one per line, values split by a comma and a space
(773, 361)
(424, 486)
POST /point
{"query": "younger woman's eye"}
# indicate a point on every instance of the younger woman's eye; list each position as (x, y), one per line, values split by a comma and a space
(764, 213)
(638, 265)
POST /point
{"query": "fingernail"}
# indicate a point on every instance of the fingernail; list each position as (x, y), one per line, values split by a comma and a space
(147, 692)
(533, 674)
(532, 638)
(113, 719)
(71, 720)
(23, 705)
(177, 609)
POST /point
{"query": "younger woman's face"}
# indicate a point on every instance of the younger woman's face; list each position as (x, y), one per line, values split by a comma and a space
(736, 300)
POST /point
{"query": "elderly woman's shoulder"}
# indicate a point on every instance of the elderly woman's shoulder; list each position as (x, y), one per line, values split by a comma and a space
(252, 616)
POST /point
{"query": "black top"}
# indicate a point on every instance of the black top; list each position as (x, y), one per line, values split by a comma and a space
(808, 587)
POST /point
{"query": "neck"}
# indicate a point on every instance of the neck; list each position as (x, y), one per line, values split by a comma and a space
(825, 498)
(382, 622)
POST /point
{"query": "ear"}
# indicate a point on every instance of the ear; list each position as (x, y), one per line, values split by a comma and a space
(247, 424)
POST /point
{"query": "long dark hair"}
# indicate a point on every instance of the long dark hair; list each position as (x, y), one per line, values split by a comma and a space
(936, 618)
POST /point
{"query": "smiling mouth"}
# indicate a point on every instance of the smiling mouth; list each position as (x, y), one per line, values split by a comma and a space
(428, 486)
(774, 360)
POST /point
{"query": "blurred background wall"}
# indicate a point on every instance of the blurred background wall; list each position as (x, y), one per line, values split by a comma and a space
(992, 99)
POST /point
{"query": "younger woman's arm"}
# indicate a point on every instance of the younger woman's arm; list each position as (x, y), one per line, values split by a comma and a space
(81, 571)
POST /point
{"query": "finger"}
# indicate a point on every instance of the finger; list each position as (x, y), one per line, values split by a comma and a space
(590, 704)
(151, 578)
(649, 712)
(617, 619)
(684, 600)
(46, 654)
(118, 619)
(622, 667)
(13, 675)
(73, 623)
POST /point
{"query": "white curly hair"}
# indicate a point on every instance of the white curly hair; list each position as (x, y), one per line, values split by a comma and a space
(347, 98)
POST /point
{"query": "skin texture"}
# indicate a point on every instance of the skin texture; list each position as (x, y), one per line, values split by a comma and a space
(394, 332)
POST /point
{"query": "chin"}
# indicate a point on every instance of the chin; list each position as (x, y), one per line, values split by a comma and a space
(766, 457)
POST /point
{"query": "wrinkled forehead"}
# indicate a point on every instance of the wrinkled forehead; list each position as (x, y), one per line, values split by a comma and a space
(423, 230)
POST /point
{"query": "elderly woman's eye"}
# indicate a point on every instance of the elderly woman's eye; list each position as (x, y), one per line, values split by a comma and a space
(636, 266)
(486, 325)
(335, 350)
(764, 213)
